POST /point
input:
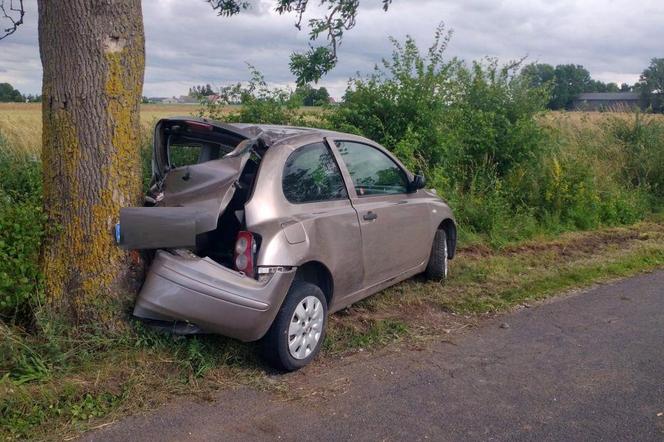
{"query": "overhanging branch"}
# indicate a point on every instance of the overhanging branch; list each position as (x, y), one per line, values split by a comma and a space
(13, 14)
(340, 17)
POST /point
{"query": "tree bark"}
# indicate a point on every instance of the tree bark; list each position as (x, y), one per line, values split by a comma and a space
(93, 57)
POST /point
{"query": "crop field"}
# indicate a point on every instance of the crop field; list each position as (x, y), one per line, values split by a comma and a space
(20, 123)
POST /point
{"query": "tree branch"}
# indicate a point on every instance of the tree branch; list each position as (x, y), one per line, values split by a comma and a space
(340, 17)
(14, 15)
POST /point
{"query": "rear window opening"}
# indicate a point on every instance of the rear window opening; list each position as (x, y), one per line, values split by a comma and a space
(186, 151)
(179, 143)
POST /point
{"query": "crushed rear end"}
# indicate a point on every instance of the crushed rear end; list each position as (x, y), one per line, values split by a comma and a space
(203, 174)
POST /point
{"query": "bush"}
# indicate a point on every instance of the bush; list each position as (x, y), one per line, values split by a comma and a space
(466, 127)
(260, 103)
(21, 232)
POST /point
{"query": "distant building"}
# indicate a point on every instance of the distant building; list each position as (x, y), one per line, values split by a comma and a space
(608, 101)
(186, 99)
(214, 99)
(183, 99)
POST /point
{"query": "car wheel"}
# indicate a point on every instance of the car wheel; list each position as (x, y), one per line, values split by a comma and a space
(297, 333)
(437, 268)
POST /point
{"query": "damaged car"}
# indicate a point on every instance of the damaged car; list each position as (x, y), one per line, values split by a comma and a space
(258, 232)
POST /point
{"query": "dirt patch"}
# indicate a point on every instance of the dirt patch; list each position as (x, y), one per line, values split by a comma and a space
(572, 244)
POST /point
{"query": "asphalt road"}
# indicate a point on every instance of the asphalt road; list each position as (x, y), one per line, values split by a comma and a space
(588, 366)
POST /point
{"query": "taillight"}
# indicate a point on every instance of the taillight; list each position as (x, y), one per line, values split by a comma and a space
(245, 251)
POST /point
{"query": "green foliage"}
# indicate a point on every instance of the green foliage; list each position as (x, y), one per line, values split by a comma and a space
(8, 94)
(570, 81)
(566, 83)
(368, 334)
(21, 232)
(492, 124)
(539, 74)
(477, 133)
(651, 85)
(466, 127)
(201, 91)
(408, 97)
(260, 103)
(312, 65)
(309, 96)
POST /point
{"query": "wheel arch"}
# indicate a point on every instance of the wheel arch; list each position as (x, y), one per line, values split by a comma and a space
(317, 273)
(450, 229)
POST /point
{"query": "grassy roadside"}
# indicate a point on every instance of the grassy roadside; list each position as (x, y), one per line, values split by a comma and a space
(63, 388)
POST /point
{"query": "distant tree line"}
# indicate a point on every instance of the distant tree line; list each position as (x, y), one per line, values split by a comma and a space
(201, 91)
(10, 95)
(311, 96)
(305, 95)
(567, 81)
(651, 85)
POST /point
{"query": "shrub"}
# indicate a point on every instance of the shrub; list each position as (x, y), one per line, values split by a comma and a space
(260, 103)
(466, 127)
(403, 104)
(21, 231)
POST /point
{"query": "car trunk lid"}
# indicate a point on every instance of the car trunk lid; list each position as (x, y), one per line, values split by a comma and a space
(190, 198)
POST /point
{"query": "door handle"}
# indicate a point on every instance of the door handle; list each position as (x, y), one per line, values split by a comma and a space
(370, 216)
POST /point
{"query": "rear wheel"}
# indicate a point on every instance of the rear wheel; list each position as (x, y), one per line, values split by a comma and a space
(296, 335)
(438, 267)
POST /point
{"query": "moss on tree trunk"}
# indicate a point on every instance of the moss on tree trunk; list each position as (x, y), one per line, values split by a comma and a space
(93, 57)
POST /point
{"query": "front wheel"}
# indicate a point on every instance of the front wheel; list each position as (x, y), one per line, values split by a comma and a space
(438, 267)
(296, 335)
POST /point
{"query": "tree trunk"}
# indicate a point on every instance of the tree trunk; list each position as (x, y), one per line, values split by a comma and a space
(93, 56)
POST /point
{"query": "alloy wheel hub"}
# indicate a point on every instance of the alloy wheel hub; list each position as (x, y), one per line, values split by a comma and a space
(306, 327)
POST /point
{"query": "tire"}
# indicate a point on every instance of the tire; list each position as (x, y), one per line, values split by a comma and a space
(438, 268)
(287, 346)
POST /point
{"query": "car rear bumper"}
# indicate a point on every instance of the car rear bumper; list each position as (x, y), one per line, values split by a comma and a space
(213, 297)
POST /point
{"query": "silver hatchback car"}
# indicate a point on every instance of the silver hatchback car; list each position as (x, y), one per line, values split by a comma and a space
(260, 231)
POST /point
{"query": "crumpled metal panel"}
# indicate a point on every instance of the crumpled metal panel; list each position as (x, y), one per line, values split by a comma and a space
(193, 199)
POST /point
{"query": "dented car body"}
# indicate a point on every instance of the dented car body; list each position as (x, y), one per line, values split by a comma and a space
(260, 207)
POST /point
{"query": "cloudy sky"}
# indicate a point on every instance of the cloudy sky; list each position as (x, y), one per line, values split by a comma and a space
(188, 44)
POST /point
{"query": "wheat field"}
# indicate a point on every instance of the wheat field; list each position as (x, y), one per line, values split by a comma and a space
(21, 123)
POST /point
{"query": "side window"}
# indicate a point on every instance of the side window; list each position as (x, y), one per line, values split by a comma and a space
(373, 172)
(311, 174)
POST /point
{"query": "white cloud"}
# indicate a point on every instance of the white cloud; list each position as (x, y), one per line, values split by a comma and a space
(187, 43)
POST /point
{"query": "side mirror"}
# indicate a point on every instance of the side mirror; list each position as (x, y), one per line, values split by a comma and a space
(418, 182)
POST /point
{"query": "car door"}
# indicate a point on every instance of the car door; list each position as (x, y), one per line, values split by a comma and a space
(393, 221)
(318, 201)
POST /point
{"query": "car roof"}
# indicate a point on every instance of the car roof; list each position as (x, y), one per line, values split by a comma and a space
(271, 133)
